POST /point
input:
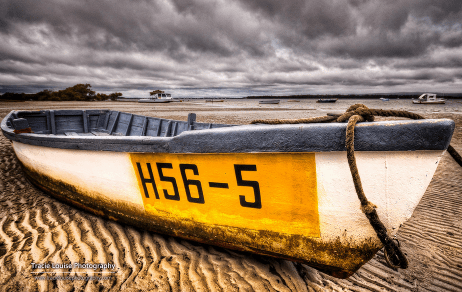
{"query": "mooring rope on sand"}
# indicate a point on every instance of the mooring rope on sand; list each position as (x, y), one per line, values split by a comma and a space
(355, 114)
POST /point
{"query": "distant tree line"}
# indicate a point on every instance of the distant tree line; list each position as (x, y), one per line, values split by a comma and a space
(156, 92)
(354, 96)
(78, 92)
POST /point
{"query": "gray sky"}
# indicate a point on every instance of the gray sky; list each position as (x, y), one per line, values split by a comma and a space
(232, 48)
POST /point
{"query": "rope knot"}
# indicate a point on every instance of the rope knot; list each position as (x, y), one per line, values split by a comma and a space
(394, 256)
(357, 109)
(368, 208)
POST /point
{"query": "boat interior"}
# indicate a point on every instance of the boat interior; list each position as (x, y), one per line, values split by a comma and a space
(102, 123)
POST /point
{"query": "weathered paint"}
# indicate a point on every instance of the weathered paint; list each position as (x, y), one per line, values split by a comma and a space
(107, 182)
(340, 258)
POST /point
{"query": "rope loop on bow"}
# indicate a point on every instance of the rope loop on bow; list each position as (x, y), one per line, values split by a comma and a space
(356, 114)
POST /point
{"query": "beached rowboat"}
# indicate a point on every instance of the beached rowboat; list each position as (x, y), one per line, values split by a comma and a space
(279, 190)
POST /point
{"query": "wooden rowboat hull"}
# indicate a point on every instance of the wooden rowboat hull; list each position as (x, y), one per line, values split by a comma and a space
(250, 188)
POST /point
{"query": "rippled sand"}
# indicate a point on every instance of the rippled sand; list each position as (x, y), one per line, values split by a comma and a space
(35, 228)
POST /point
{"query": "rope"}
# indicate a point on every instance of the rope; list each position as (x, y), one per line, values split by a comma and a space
(455, 155)
(355, 114)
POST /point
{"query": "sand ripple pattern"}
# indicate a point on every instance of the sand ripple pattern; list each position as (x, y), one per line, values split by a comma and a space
(35, 228)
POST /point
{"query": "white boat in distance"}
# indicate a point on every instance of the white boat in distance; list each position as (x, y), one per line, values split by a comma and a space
(158, 98)
(429, 98)
(279, 190)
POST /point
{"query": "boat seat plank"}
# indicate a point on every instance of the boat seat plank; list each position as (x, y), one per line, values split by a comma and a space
(181, 127)
(113, 121)
(153, 127)
(191, 121)
(48, 118)
(37, 123)
(136, 126)
(159, 128)
(93, 121)
(144, 127)
(105, 121)
(127, 132)
(52, 122)
(20, 124)
(168, 129)
(123, 123)
(85, 121)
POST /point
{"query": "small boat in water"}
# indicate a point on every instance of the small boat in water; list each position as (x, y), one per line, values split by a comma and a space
(279, 190)
(429, 98)
(270, 101)
(160, 97)
(327, 100)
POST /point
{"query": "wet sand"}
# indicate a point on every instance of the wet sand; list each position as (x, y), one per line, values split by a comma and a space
(35, 228)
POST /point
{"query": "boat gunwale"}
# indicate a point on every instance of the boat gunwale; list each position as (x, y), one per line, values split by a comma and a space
(400, 135)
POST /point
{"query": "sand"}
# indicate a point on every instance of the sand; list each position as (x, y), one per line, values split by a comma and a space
(35, 228)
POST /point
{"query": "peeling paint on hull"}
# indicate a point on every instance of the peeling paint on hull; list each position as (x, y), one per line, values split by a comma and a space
(334, 258)
(345, 242)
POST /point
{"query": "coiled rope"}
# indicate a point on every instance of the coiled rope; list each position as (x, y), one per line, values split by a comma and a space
(355, 114)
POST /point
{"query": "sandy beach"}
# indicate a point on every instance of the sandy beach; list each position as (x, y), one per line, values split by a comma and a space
(36, 228)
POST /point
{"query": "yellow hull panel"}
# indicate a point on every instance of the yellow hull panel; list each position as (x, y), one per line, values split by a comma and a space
(276, 192)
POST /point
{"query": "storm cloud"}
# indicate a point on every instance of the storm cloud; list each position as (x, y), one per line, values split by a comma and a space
(234, 48)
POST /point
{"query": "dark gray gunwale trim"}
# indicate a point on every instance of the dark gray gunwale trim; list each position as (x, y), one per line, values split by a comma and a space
(375, 136)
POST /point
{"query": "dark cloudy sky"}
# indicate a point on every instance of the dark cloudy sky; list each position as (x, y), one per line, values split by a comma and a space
(231, 47)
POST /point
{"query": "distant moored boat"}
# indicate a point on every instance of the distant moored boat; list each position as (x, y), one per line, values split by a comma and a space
(158, 98)
(429, 98)
(270, 101)
(327, 100)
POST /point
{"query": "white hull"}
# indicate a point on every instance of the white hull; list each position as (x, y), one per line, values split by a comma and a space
(393, 181)
(429, 102)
